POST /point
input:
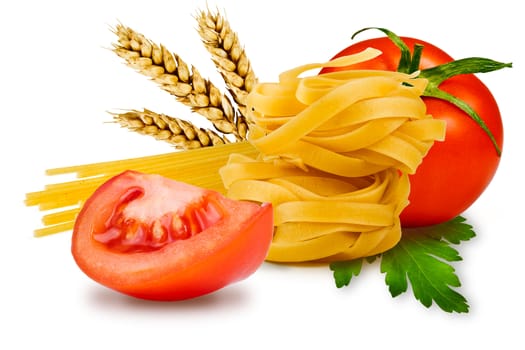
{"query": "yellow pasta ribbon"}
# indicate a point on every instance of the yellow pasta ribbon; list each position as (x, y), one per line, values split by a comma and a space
(335, 151)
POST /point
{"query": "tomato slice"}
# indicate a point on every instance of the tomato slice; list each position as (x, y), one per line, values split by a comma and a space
(155, 238)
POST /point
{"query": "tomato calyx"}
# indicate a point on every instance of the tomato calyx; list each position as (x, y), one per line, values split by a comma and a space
(124, 232)
(409, 63)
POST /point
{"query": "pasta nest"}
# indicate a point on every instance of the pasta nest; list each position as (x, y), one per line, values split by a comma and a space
(335, 151)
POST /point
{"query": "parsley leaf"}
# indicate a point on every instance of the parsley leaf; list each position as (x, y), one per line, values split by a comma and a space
(454, 231)
(422, 258)
(422, 255)
(345, 270)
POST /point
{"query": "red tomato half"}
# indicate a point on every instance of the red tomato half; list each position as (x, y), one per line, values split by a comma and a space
(155, 238)
(455, 172)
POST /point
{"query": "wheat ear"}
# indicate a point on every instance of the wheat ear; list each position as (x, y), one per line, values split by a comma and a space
(180, 133)
(174, 76)
(228, 55)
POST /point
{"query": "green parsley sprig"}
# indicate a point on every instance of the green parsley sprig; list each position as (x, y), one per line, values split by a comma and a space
(422, 258)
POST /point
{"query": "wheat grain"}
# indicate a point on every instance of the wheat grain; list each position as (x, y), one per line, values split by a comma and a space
(228, 55)
(173, 75)
(180, 133)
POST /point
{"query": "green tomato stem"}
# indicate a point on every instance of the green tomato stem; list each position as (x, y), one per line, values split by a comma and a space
(416, 58)
(432, 91)
(470, 65)
(436, 75)
(409, 63)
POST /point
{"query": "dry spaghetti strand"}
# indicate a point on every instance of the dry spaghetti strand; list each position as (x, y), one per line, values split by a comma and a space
(61, 202)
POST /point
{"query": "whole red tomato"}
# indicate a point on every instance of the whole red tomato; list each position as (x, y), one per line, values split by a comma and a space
(455, 172)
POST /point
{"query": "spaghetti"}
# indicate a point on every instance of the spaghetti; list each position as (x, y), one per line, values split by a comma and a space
(62, 201)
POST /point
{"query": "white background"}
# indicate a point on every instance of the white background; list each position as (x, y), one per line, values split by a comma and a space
(58, 81)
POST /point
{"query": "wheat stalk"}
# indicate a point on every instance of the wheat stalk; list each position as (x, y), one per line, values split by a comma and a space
(180, 133)
(174, 76)
(228, 55)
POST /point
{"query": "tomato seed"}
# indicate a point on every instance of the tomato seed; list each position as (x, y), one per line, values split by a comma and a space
(158, 232)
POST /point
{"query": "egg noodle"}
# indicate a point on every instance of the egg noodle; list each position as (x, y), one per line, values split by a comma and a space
(331, 152)
(335, 151)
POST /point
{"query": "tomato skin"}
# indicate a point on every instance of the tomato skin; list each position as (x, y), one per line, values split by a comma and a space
(228, 251)
(455, 172)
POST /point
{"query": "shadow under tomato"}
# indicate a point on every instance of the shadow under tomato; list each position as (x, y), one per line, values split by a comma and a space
(230, 297)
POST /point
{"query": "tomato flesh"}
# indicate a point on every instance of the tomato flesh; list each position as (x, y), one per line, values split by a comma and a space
(457, 171)
(127, 230)
(159, 239)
